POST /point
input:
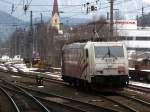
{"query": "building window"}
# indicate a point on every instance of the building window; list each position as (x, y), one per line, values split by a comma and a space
(128, 38)
(139, 49)
(142, 38)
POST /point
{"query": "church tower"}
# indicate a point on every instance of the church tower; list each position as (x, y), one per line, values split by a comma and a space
(55, 20)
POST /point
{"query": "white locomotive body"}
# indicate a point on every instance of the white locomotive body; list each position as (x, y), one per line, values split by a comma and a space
(98, 64)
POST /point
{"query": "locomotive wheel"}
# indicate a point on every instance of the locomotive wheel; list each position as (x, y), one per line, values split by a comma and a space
(77, 83)
(73, 84)
(70, 83)
(88, 87)
(84, 84)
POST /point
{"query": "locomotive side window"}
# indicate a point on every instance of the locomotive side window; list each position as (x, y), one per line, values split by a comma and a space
(112, 51)
(87, 54)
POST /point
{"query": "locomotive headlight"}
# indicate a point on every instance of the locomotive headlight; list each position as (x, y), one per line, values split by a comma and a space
(121, 69)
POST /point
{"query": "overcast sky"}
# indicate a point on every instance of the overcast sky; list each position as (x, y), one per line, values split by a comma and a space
(146, 1)
(72, 8)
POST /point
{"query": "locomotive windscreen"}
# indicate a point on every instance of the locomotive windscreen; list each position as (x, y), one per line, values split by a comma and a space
(108, 51)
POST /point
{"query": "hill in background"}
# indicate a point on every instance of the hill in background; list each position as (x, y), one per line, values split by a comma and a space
(8, 25)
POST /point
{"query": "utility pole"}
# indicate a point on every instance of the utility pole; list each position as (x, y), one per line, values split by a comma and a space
(31, 38)
(31, 25)
(107, 15)
(142, 11)
(142, 17)
(111, 19)
(41, 18)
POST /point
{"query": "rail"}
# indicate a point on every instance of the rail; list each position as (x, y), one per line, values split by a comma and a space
(11, 99)
(73, 103)
(135, 99)
(139, 88)
(27, 94)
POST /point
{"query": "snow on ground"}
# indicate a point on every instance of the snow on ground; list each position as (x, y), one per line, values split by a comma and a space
(146, 70)
(30, 70)
(140, 84)
(15, 76)
(131, 68)
(3, 68)
(23, 68)
(55, 75)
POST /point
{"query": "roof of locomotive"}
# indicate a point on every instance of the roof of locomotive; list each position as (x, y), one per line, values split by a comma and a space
(74, 45)
(108, 43)
(79, 45)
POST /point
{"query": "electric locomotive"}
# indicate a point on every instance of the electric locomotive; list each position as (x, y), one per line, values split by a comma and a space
(100, 65)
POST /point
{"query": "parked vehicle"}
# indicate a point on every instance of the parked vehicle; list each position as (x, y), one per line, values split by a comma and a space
(141, 70)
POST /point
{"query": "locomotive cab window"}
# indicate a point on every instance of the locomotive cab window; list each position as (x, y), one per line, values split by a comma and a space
(87, 54)
(108, 51)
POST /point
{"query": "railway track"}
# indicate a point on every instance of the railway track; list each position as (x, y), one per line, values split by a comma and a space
(133, 87)
(129, 104)
(132, 103)
(9, 105)
(136, 104)
(71, 103)
(136, 99)
(118, 107)
(33, 76)
(67, 103)
(22, 100)
(139, 88)
(138, 93)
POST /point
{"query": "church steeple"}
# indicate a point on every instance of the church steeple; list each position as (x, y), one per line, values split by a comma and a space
(55, 8)
(55, 20)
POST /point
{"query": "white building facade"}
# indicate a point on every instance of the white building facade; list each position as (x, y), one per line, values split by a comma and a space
(134, 37)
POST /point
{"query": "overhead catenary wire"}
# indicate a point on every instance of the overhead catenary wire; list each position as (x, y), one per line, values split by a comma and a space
(29, 3)
(104, 6)
(139, 9)
(101, 8)
(26, 6)
(15, 8)
(129, 12)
